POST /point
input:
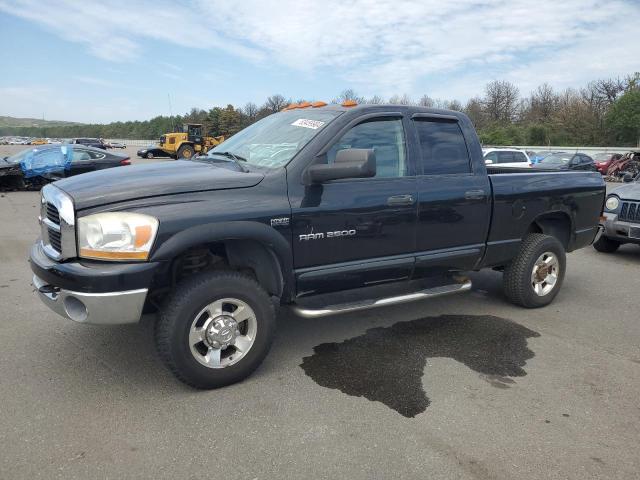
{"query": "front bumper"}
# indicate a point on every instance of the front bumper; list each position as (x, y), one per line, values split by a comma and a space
(106, 293)
(618, 229)
(112, 308)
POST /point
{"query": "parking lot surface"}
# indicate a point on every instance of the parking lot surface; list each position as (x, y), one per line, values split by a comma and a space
(460, 387)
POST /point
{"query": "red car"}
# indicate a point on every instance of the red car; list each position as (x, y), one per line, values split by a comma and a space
(603, 161)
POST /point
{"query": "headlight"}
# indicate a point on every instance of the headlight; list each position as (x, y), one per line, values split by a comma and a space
(116, 236)
(612, 203)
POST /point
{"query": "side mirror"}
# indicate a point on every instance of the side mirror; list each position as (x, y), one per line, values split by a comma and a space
(628, 178)
(349, 163)
(487, 161)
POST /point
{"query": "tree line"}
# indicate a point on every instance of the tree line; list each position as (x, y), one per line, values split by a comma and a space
(603, 112)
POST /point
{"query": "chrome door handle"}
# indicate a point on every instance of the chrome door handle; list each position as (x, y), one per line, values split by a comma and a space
(474, 194)
(398, 200)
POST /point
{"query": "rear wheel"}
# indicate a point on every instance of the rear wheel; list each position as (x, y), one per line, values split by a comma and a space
(186, 151)
(606, 245)
(534, 276)
(215, 329)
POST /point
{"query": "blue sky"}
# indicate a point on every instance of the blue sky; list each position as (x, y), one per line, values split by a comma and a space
(119, 60)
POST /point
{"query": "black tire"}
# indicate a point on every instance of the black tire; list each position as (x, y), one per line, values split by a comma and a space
(606, 245)
(517, 282)
(186, 151)
(149, 155)
(182, 307)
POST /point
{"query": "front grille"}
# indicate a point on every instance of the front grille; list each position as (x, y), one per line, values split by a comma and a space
(630, 212)
(52, 214)
(57, 223)
(53, 236)
(55, 240)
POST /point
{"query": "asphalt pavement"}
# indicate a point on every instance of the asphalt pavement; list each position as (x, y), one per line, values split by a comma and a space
(460, 387)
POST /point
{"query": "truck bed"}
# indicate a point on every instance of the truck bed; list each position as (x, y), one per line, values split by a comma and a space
(522, 195)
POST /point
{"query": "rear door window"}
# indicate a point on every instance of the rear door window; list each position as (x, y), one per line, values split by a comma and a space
(505, 157)
(443, 148)
(97, 155)
(79, 155)
(519, 157)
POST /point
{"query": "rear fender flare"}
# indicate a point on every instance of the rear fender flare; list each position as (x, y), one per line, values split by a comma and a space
(558, 224)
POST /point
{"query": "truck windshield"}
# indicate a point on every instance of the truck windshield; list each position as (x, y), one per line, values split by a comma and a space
(274, 140)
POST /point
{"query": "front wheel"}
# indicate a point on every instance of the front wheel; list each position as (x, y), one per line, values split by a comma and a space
(534, 276)
(215, 329)
(186, 151)
(606, 245)
(149, 155)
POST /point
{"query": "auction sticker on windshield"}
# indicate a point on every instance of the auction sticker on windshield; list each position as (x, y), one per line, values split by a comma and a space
(303, 122)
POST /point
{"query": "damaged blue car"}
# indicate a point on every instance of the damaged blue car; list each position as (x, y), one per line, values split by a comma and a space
(34, 167)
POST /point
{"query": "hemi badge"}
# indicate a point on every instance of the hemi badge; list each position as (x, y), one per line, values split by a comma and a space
(280, 222)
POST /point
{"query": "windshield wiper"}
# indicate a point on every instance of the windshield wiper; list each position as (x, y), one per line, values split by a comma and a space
(235, 158)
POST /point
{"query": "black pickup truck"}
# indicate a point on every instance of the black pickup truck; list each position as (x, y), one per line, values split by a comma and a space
(325, 209)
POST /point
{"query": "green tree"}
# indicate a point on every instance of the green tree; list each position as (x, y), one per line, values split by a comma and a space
(230, 121)
(212, 122)
(495, 136)
(537, 134)
(623, 119)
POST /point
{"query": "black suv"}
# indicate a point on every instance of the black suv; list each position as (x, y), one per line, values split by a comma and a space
(91, 142)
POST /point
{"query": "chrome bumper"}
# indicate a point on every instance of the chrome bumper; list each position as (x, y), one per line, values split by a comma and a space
(112, 308)
(617, 229)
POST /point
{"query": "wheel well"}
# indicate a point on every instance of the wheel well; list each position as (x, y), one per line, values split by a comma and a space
(247, 256)
(556, 224)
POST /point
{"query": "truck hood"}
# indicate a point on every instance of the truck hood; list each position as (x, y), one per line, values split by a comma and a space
(629, 191)
(143, 181)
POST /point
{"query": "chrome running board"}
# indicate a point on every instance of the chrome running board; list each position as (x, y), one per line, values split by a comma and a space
(462, 286)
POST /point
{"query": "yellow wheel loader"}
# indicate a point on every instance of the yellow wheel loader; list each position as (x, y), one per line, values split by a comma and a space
(189, 142)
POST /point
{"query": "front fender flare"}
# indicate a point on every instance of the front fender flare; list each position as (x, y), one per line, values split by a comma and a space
(234, 230)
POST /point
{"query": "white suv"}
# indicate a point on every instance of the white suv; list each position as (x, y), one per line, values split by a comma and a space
(506, 157)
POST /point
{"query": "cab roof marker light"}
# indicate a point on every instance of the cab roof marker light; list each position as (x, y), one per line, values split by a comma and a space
(349, 103)
(318, 104)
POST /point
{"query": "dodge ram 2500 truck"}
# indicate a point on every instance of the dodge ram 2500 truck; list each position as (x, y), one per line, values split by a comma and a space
(326, 209)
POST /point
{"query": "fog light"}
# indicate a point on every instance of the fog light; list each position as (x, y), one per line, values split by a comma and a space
(76, 310)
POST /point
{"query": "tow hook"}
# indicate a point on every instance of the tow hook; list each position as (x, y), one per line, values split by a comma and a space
(48, 289)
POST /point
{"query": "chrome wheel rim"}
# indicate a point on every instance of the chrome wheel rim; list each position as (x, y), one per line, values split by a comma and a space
(545, 273)
(222, 333)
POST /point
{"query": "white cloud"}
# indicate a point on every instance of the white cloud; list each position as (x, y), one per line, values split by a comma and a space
(387, 47)
(98, 82)
(112, 29)
(377, 46)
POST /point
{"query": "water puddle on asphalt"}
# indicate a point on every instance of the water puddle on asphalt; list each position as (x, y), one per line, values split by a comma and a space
(386, 364)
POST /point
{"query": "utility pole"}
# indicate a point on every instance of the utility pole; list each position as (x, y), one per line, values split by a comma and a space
(173, 127)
